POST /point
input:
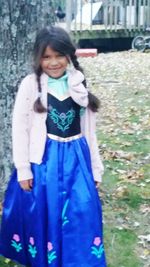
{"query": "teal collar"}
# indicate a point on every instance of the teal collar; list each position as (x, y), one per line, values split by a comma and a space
(60, 85)
(62, 78)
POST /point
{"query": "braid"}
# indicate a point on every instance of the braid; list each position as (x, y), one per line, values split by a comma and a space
(76, 63)
(77, 66)
(38, 106)
(94, 102)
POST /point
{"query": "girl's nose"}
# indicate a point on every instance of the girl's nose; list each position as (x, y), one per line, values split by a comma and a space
(53, 62)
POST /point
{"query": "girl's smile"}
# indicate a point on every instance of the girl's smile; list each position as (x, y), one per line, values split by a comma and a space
(53, 63)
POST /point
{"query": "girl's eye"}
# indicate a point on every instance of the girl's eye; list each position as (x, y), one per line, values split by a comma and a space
(46, 57)
(60, 55)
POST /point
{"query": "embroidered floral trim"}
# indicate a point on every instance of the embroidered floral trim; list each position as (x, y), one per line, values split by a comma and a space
(15, 242)
(63, 120)
(64, 217)
(32, 248)
(98, 248)
(51, 254)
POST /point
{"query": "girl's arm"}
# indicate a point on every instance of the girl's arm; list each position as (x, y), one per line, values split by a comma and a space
(88, 129)
(20, 132)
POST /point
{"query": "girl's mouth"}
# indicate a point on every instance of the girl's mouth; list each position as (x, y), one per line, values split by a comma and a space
(55, 69)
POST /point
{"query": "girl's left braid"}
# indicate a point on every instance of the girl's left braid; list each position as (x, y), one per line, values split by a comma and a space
(77, 66)
(94, 102)
(75, 62)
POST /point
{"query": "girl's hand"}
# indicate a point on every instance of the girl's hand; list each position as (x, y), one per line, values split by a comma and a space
(97, 184)
(26, 184)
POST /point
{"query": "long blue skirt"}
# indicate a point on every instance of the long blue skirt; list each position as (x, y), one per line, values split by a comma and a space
(59, 222)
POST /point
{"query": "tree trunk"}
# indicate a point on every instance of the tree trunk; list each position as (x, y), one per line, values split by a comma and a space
(19, 22)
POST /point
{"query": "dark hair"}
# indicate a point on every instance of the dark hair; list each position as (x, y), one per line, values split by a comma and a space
(59, 40)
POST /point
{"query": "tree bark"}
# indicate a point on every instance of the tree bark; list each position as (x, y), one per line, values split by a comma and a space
(19, 22)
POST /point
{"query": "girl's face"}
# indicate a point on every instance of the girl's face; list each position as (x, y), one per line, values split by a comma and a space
(53, 63)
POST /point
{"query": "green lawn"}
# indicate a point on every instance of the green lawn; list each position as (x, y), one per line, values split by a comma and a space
(7, 263)
(124, 136)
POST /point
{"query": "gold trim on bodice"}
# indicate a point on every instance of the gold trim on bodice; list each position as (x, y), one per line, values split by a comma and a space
(64, 139)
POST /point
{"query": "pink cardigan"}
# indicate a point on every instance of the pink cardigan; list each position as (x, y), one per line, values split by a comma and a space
(29, 127)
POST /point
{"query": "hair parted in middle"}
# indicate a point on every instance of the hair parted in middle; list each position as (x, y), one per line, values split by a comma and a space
(58, 40)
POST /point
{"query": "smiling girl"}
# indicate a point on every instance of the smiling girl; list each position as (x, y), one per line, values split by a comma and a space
(52, 213)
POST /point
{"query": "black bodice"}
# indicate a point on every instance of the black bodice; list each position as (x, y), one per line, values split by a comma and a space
(63, 118)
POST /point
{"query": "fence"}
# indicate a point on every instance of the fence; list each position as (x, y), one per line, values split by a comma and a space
(106, 15)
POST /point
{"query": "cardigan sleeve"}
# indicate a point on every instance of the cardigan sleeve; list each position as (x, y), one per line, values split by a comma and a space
(77, 90)
(88, 129)
(20, 132)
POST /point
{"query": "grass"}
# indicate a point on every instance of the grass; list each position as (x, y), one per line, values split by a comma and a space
(121, 213)
(123, 194)
(122, 241)
(6, 263)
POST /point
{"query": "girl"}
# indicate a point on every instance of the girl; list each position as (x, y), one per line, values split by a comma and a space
(52, 214)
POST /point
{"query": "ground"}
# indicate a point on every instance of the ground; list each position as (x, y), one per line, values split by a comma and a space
(122, 82)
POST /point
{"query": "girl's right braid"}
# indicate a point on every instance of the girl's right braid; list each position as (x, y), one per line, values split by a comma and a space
(38, 106)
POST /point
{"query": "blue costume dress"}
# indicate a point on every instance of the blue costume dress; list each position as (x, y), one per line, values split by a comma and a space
(58, 223)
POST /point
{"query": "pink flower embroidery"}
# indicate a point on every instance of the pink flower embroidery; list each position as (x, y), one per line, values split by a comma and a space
(97, 241)
(16, 237)
(49, 246)
(31, 240)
